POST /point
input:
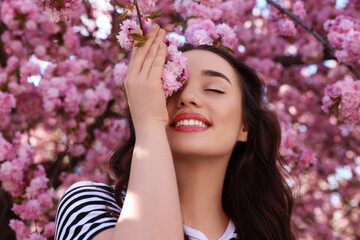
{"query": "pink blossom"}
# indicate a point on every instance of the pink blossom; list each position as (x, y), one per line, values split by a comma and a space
(30, 104)
(299, 9)
(37, 186)
(72, 100)
(352, 43)
(49, 229)
(29, 210)
(119, 73)
(345, 94)
(336, 39)
(175, 73)
(29, 69)
(69, 179)
(56, 12)
(7, 102)
(227, 34)
(103, 93)
(199, 32)
(146, 5)
(26, 155)
(7, 150)
(77, 150)
(12, 64)
(71, 40)
(190, 8)
(268, 68)
(36, 236)
(21, 230)
(125, 40)
(287, 27)
(344, 36)
(46, 199)
(306, 159)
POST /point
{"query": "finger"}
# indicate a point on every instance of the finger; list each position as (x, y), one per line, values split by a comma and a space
(148, 62)
(158, 63)
(143, 51)
(135, 48)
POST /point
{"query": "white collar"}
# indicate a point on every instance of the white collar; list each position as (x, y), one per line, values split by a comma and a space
(197, 235)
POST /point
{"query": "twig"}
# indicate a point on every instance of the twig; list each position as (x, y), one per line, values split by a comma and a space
(139, 15)
(311, 30)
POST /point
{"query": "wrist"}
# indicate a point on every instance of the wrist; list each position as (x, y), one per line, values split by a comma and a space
(149, 130)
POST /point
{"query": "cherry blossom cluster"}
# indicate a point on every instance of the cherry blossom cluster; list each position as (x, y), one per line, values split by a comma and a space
(59, 10)
(343, 100)
(27, 185)
(344, 36)
(174, 72)
(200, 31)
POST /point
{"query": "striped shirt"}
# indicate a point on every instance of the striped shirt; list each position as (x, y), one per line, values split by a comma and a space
(83, 212)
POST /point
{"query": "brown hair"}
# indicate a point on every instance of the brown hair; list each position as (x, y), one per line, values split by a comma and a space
(255, 194)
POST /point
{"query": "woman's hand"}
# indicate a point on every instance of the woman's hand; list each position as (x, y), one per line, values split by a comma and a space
(143, 85)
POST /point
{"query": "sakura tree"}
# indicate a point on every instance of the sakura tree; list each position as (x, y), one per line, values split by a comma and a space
(63, 106)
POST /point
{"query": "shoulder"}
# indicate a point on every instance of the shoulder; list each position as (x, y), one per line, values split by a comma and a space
(85, 210)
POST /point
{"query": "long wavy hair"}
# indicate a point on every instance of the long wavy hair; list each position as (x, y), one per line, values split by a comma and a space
(255, 194)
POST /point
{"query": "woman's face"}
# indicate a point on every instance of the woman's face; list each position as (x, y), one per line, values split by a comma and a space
(205, 115)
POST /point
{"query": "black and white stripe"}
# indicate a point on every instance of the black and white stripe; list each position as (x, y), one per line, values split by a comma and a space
(83, 211)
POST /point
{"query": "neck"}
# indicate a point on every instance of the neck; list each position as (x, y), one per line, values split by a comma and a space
(200, 182)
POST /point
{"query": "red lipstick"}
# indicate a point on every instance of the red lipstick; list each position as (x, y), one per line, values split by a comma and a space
(188, 116)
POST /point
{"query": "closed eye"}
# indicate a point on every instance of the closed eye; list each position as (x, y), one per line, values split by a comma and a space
(215, 90)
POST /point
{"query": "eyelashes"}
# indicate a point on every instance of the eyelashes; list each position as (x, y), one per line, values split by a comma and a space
(215, 90)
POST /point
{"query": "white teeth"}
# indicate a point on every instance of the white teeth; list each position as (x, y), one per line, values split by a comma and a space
(190, 122)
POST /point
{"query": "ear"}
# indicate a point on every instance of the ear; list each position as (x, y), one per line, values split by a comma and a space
(242, 137)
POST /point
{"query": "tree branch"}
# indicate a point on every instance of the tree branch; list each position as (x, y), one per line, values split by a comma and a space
(311, 30)
(139, 15)
(3, 56)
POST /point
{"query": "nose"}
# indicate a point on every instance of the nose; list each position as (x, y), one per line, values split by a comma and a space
(187, 97)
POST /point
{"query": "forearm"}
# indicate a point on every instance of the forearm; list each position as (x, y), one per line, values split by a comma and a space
(151, 209)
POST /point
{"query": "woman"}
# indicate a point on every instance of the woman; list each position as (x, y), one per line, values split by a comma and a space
(204, 162)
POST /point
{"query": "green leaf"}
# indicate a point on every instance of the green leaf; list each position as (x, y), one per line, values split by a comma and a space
(140, 43)
(226, 48)
(119, 4)
(335, 107)
(137, 37)
(122, 16)
(154, 14)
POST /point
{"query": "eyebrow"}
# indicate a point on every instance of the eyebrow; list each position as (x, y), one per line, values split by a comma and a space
(213, 73)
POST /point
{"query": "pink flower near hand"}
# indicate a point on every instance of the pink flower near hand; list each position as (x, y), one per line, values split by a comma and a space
(175, 73)
(127, 27)
(119, 73)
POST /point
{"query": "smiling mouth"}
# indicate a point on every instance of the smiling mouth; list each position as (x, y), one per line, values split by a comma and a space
(190, 122)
